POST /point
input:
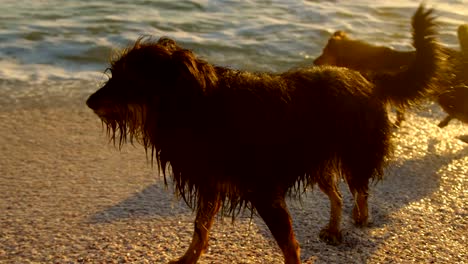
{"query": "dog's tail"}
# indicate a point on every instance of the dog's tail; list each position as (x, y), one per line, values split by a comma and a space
(408, 85)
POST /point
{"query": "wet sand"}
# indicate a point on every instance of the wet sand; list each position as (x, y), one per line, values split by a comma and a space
(67, 196)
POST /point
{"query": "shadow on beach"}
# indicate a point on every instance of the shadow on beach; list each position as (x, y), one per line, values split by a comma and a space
(154, 201)
(413, 179)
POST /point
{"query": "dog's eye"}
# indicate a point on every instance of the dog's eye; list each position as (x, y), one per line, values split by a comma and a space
(108, 72)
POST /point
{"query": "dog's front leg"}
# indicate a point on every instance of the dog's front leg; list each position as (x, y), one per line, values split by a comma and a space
(273, 210)
(208, 208)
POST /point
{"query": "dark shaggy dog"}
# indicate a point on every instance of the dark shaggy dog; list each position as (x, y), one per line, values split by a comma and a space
(358, 55)
(236, 139)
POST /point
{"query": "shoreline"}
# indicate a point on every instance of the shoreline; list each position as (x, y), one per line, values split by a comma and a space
(67, 196)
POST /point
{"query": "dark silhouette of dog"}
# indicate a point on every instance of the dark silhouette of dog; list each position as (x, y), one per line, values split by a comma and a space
(343, 51)
(232, 139)
(454, 101)
(462, 33)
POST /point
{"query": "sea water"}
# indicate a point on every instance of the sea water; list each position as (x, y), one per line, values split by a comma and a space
(62, 47)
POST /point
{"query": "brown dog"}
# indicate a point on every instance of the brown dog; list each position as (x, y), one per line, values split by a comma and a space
(358, 55)
(454, 101)
(235, 139)
(463, 39)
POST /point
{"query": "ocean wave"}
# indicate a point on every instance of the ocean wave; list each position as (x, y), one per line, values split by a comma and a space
(60, 40)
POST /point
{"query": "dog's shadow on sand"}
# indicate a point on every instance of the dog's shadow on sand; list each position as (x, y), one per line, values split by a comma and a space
(156, 200)
(412, 179)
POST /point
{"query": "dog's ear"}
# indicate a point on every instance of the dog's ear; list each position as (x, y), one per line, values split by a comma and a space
(339, 35)
(193, 72)
(168, 43)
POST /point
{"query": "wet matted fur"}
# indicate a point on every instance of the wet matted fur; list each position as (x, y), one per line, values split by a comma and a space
(343, 51)
(235, 139)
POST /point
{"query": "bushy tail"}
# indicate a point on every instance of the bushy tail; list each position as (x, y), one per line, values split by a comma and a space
(413, 83)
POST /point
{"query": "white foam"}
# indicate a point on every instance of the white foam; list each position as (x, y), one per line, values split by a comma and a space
(37, 73)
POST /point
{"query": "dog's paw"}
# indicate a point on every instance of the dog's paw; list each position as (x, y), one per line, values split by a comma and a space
(360, 219)
(331, 237)
(186, 259)
(361, 222)
(179, 261)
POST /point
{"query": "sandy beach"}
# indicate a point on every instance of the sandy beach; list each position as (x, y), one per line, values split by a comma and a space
(67, 196)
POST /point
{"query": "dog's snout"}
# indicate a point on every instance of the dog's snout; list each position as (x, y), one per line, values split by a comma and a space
(91, 102)
(319, 60)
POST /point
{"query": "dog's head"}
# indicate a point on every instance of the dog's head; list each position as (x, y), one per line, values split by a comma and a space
(145, 79)
(333, 50)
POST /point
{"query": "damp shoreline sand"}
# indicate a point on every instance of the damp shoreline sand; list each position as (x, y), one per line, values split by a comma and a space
(67, 196)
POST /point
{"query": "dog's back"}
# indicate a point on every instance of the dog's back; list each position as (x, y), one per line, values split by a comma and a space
(278, 129)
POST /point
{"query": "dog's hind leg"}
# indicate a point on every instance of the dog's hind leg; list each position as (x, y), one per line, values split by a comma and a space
(274, 211)
(360, 209)
(331, 233)
(206, 213)
(357, 175)
(359, 170)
